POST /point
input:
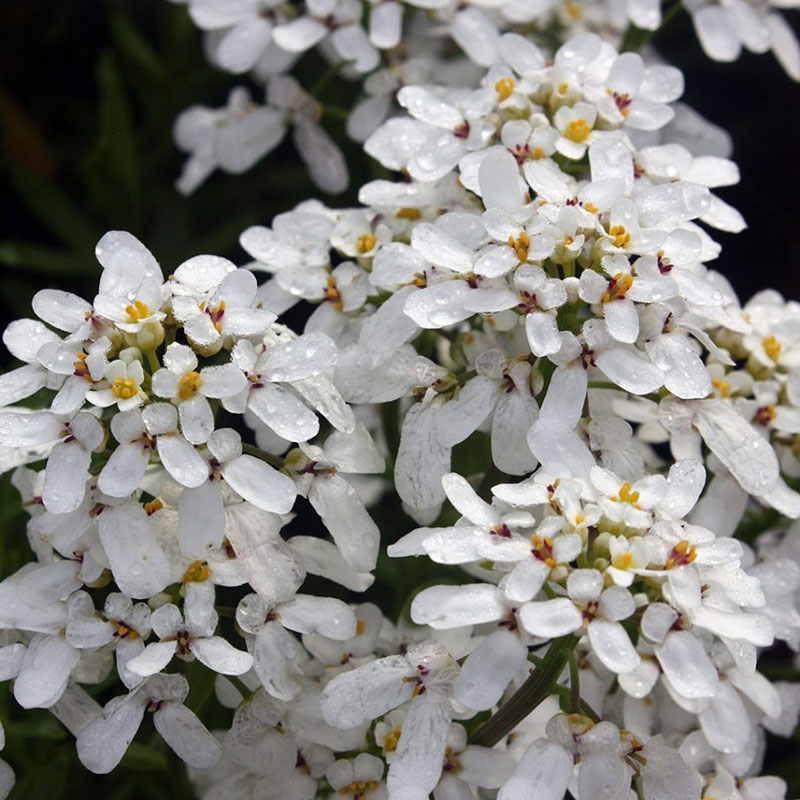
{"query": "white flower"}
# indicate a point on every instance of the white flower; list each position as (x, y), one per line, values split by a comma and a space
(123, 386)
(180, 382)
(274, 649)
(104, 741)
(190, 638)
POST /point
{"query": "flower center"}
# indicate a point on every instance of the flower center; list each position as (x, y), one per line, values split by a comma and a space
(365, 242)
(622, 101)
(543, 550)
(627, 495)
(504, 87)
(683, 553)
(578, 130)
(123, 630)
(772, 347)
(197, 572)
(359, 789)
(520, 245)
(764, 415)
(188, 385)
(621, 236)
(332, 294)
(723, 387)
(137, 311)
(124, 388)
(618, 287)
(391, 740)
(153, 506)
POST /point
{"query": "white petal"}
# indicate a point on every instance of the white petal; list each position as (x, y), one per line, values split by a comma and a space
(282, 411)
(187, 736)
(444, 607)
(260, 484)
(44, 672)
(103, 742)
(467, 502)
(343, 513)
(181, 460)
(221, 656)
(687, 666)
(731, 438)
(417, 763)
(65, 477)
(323, 615)
(140, 567)
(551, 618)
(197, 419)
(612, 646)
(367, 692)
(201, 515)
(124, 470)
(153, 658)
(543, 772)
(489, 669)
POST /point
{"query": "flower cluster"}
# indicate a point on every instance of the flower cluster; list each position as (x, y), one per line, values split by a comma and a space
(535, 294)
(389, 44)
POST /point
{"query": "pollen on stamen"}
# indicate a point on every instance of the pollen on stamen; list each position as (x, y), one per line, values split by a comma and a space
(365, 243)
(504, 88)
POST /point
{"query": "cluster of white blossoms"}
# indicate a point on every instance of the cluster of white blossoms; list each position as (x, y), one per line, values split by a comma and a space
(389, 44)
(535, 292)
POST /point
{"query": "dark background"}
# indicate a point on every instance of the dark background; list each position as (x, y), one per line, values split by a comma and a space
(89, 90)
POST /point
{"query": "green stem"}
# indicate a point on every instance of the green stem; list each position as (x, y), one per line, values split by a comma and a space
(326, 78)
(536, 688)
(152, 360)
(574, 685)
(252, 450)
(636, 38)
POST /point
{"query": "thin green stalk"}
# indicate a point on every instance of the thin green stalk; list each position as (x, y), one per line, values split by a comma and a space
(574, 684)
(534, 691)
(257, 452)
(326, 78)
(636, 38)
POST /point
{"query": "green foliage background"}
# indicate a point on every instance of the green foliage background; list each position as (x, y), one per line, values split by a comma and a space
(89, 90)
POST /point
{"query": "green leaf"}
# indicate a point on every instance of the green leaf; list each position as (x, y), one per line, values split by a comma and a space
(56, 211)
(142, 758)
(113, 169)
(24, 255)
(130, 42)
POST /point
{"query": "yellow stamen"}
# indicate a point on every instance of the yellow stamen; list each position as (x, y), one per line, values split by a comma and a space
(504, 87)
(361, 626)
(618, 287)
(621, 236)
(137, 311)
(562, 88)
(124, 388)
(723, 387)
(408, 213)
(197, 572)
(623, 560)
(573, 11)
(188, 385)
(627, 495)
(391, 740)
(537, 153)
(578, 130)
(365, 242)
(591, 207)
(520, 245)
(153, 506)
(772, 347)
(332, 294)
